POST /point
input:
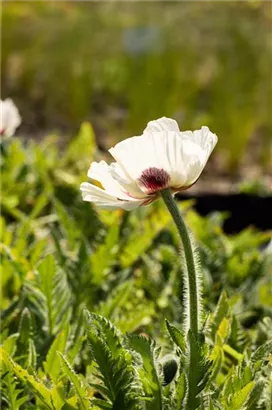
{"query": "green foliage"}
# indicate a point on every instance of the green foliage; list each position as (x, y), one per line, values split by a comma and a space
(60, 257)
(83, 402)
(196, 371)
(114, 365)
(147, 370)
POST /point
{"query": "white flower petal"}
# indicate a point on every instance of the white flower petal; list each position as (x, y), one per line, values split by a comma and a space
(162, 124)
(136, 154)
(197, 147)
(203, 137)
(129, 185)
(193, 159)
(99, 171)
(10, 117)
(105, 200)
(161, 150)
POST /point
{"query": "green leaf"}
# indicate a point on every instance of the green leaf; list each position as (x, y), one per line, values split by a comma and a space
(114, 363)
(136, 244)
(68, 225)
(81, 391)
(255, 395)
(50, 296)
(52, 364)
(221, 312)
(27, 226)
(180, 391)
(11, 394)
(104, 256)
(197, 370)
(176, 335)
(262, 352)
(105, 405)
(217, 359)
(38, 387)
(240, 398)
(9, 344)
(147, 370)
(85, 140)
(116, 300)
(26, 352)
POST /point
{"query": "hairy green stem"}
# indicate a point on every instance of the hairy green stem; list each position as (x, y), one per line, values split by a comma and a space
(189, 257)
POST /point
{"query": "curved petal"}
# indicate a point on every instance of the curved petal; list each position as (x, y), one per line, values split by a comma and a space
(129, 185)
(105, 200)
(193, 159)
(162, 124)
(203, 137)
(197, 147)
(100, 171)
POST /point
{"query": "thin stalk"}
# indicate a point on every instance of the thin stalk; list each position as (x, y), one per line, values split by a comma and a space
(189, 257)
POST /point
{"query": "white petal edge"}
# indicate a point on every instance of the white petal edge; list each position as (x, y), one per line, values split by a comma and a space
(162, 124)
(206, 141)
(100, 171)
(105, 200)
(10, 117)
(119, 174)
(203, 137)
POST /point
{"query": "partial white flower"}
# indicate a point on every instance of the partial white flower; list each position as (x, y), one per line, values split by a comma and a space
(10, 118)
(163, 157)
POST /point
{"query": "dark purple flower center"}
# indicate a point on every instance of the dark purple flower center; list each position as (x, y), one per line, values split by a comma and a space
(154, 179)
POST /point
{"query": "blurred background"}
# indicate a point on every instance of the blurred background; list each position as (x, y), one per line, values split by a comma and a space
(122, 64)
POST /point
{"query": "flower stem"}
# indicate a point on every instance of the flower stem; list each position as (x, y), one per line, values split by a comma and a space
(189, 257)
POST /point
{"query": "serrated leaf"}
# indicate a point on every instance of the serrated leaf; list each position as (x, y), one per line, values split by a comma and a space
(25, 328)
(221, 312)
(262, 352)
(197, 370)
(240, 398)
(50, 296)
(9, 344)
(148, 372)
(255, 396)
(180, 391)
(84, 403)
(217, 358)
(176, 335)
(120, 385)
(58, 393)
(26, 351)
(52, 364)
(38, 388)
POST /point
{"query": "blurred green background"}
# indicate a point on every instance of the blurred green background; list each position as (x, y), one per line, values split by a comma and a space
(121, 64)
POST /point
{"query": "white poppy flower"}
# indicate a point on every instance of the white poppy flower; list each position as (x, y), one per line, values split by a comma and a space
(10, 118)
(163, 157)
